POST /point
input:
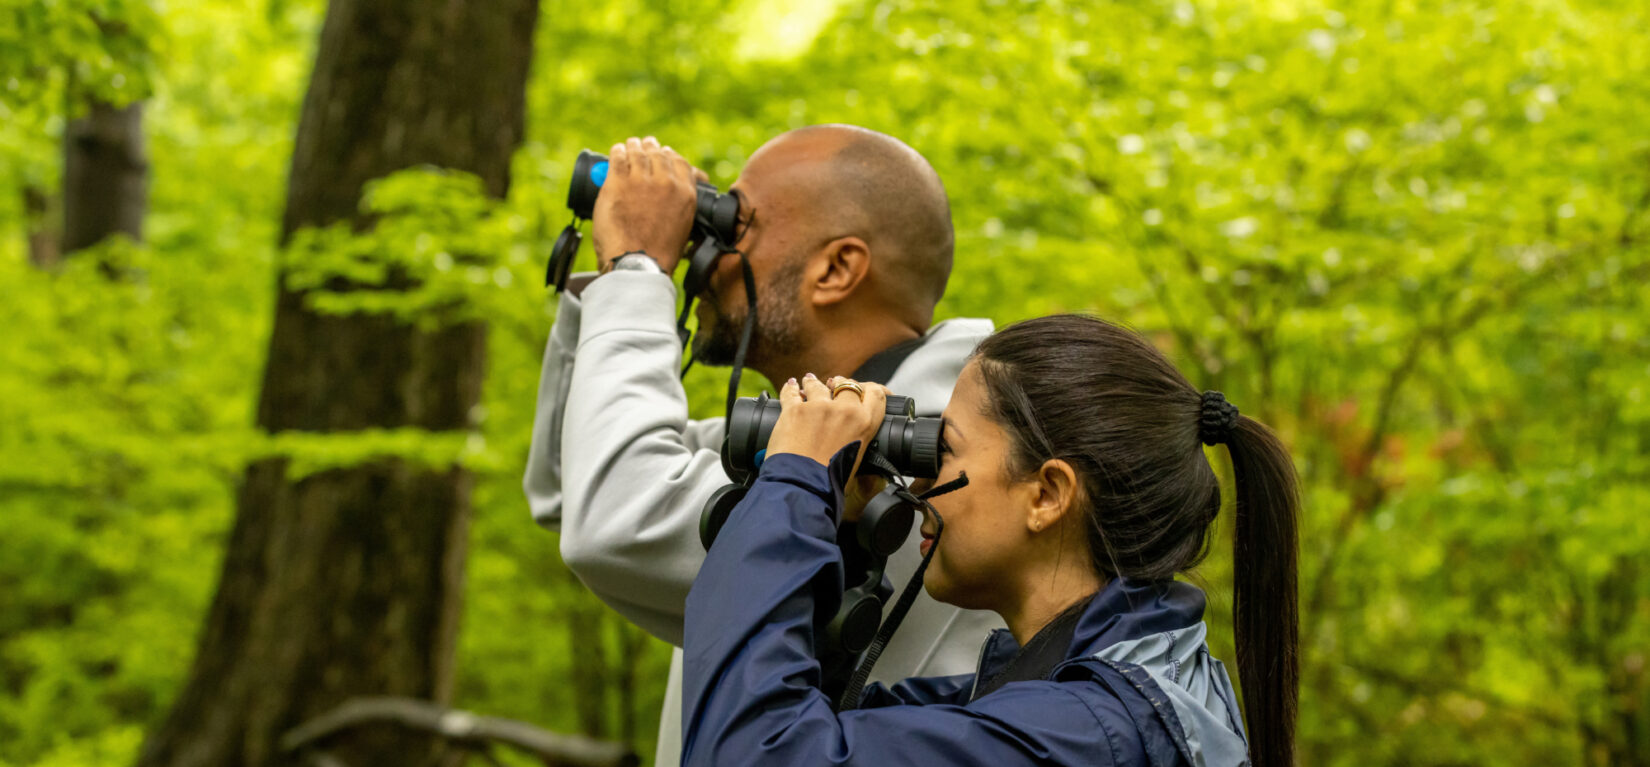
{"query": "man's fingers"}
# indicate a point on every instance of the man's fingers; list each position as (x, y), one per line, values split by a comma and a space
(678, 164)
(618, 160)
(640, 160)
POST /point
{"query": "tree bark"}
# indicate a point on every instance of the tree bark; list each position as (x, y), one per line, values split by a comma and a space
(43, 239)
(347, 582)
(105, 175)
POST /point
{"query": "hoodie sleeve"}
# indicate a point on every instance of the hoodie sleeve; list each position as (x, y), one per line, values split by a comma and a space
(616, 465)
(751, 682)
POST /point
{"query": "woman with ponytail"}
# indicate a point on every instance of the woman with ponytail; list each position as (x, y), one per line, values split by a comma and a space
(1084, 490)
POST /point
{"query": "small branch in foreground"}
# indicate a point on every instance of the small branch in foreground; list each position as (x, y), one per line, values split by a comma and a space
(461, 727)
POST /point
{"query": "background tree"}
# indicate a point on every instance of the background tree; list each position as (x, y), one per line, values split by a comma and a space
(347, 581)
(78, 69)
(105, 175)
(1411, 237)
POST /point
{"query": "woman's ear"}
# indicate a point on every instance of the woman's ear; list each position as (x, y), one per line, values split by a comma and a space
(838, 270)
(1054, 495)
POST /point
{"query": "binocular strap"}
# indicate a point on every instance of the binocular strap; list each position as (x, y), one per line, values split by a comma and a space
(907, 597)
(747, 330)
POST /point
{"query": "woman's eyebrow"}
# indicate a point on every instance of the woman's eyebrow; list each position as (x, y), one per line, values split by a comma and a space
(950, 428)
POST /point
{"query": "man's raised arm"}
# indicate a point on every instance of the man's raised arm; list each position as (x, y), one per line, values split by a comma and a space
(613, 440)
(632, 471)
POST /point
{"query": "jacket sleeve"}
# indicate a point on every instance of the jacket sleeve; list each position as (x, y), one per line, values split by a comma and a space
(751, 683)
(919, 691)
(615, 464)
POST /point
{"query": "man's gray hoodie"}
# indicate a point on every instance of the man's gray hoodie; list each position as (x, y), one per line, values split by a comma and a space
(621, 471)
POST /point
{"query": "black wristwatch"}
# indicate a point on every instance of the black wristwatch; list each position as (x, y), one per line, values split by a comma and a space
(635, 261)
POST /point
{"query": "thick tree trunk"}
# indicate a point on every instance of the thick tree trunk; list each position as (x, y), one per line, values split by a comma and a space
(105, 175)
(347, 582)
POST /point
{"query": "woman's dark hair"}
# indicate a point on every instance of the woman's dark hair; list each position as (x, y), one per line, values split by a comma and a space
(1104, 400)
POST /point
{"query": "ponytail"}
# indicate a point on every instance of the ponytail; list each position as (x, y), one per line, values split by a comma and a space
(1265, 609)
(1106, 401)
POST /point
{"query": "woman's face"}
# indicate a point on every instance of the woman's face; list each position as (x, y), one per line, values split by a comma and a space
(985, 539)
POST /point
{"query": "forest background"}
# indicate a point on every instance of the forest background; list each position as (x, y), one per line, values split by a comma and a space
(1412, 236)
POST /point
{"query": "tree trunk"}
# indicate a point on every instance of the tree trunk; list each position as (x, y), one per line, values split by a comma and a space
(105, 175)
(43, 239)
(347, 582)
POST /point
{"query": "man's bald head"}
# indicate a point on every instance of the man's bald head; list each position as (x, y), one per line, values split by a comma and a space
(867, 184)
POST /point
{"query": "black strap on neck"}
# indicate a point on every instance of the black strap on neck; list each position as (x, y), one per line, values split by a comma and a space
(1040, 655)
(862, 673)
(744, 333)
(881, 366)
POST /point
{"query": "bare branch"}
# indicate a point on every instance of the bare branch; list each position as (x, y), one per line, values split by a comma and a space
(462, 727)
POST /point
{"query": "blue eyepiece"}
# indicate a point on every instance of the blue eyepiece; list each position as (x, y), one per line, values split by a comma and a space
(598, 173)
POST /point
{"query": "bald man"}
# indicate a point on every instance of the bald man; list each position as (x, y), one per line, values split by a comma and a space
(848, 234)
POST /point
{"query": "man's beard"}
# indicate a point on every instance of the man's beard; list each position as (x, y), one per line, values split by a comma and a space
(778, 329)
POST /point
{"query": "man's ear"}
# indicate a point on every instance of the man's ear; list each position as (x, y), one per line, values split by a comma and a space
(1054, 497)
(838, 270)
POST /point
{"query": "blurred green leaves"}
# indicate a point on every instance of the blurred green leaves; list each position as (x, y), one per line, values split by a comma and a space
(1411, 237)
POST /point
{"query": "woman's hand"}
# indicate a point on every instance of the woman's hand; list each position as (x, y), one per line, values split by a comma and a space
(816, 425)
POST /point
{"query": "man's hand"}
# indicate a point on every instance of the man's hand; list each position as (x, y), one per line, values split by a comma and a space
(814, 424)
(647, 204)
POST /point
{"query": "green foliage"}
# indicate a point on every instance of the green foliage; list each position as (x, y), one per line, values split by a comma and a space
(1409, 236)
(55, 57)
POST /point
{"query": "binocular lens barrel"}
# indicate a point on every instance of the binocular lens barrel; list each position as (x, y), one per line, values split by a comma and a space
(910, 443)
(716, 212)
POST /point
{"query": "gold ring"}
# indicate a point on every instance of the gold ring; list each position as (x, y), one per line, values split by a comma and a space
(850, 386)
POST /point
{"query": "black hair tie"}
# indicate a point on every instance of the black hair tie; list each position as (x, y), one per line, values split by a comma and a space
(1215, 421)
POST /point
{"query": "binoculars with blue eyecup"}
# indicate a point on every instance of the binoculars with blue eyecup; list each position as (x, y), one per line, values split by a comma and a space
(715, 224)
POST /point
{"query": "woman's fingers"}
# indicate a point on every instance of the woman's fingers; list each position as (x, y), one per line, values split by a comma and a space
(814, 389)
(876, 402)
(819, 417)
(873, 396)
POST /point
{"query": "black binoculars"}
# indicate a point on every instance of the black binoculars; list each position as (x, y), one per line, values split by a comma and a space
(715, 224)
(717, 212)
(904, 443)
(909, 443)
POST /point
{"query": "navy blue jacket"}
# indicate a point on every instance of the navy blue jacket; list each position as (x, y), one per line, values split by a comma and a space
(1138, 686)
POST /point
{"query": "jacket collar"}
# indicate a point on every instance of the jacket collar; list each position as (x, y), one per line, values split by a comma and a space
(1124, 609)
(1127, 609)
